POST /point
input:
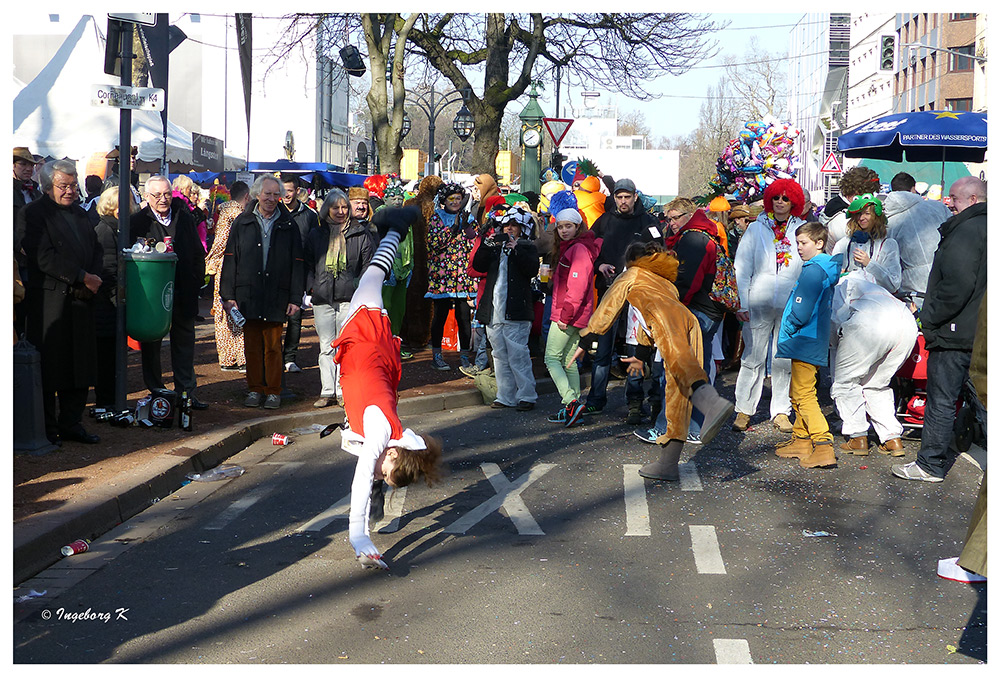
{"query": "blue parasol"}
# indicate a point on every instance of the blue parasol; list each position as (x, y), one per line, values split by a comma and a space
(919, 136)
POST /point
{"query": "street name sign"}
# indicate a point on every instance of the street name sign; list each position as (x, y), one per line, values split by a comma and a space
(135, 98)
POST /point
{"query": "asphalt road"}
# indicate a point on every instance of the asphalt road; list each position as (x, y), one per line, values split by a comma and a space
(540, 546)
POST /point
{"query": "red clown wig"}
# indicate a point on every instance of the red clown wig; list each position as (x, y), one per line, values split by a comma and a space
(376, 184)
(788, 187)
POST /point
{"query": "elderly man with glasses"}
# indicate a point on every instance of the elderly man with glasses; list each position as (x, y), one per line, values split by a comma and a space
(167, 216)
(767, 265)
(63, 260)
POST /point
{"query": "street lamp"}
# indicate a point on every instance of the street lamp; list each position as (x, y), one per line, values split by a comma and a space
(432, 106)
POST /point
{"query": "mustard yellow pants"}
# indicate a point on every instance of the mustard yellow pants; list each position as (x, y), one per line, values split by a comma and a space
(809, 419)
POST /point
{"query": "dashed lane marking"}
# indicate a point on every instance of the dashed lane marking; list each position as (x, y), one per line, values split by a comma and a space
(689, 476)
(732, 652)
(705, 545)
(636, 507)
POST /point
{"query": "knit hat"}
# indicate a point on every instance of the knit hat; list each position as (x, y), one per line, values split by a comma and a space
(569, 214)
(450, 189)
(718, 204)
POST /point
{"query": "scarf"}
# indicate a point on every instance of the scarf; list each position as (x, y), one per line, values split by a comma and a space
(336, 250)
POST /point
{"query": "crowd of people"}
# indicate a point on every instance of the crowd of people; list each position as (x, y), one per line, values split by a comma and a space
(588, 274)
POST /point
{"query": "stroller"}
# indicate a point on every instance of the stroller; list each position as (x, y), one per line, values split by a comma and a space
(910, 387)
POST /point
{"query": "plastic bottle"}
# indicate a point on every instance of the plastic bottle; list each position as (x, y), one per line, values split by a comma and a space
(219, 472)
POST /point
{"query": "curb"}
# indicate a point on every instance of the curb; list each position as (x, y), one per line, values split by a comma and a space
(38, 538)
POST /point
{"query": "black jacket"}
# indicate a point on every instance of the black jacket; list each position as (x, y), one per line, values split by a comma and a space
(522, 266)
(262, 294)
(189, 276)
(60, 249)
(957, 281)
(618, 231)
(328, 289)
(105, 302)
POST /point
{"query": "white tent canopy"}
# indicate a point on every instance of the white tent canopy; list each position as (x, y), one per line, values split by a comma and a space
(53, 114)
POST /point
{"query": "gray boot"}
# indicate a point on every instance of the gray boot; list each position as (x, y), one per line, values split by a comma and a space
(665, 468)
(715, 408)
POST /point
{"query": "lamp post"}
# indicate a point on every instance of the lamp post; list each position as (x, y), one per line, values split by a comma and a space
(432, 106)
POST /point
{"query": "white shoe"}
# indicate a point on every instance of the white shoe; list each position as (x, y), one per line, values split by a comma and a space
(912, 471)
(292, 368)
(948, 568)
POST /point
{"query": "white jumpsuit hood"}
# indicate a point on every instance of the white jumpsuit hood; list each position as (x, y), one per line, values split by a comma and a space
(914, 224)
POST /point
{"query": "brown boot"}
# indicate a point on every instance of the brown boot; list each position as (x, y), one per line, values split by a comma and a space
(799, 447)
(856, 445)
(893, 447)
(821, 457)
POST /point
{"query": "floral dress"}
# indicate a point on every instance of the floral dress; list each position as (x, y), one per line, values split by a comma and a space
(228, 337)
(448, 252)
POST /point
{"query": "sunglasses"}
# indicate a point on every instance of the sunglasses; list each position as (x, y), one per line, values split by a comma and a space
(676, 218)
(783, 198)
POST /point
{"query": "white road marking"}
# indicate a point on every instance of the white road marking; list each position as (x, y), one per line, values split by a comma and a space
(340, 509)
(393, 511)
(240, 506)
(732, 652)
(508, 496)
(636, 508)
(705, 545)
(689, 476)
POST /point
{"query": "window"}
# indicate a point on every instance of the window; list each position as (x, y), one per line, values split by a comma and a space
(958, 104)
(963, 17)
(962, 63)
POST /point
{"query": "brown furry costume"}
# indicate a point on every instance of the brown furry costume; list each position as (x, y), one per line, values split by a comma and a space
(647, 284)
(416, 330)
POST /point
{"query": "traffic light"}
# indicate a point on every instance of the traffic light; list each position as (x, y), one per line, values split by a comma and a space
(887, 53)
(557, 160)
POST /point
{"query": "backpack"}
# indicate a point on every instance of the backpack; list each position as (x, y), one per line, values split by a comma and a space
(724, 290)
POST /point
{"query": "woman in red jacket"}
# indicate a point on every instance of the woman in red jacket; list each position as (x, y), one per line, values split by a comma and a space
(572, 260)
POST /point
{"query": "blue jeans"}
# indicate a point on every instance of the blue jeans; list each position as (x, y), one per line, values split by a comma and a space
(946, 374)
(708, 329)
(597, 396)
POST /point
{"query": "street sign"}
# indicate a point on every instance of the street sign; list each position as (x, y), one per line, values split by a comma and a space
(831, 166)
(557, 128)
(207, 152)
(135, 98)
(144, 18)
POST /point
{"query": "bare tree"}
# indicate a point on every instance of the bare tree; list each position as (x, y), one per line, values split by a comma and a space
(758, 78)
(719, 121)
(619, 52)
(633, 123)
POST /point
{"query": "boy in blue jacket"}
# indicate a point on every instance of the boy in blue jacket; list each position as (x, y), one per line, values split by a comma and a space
(804, 337)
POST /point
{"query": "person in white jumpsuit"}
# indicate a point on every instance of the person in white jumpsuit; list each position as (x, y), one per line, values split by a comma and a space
(767, 267)
(867, 246)
(874, 333)
(913, 224)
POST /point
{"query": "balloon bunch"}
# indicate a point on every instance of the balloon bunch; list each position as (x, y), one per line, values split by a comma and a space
(763, 151)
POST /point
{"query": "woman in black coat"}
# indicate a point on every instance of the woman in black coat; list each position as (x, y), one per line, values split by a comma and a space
(105, 301)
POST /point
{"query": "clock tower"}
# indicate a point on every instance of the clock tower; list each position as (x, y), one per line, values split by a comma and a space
(531, 144)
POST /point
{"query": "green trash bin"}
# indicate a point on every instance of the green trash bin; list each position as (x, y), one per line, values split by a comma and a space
(149, 294)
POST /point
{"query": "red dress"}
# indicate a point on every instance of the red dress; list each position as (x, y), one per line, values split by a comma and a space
(370, 368)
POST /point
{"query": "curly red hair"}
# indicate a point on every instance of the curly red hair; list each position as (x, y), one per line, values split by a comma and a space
(789, 188)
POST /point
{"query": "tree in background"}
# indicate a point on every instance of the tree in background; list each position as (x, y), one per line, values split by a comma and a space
(617, 52)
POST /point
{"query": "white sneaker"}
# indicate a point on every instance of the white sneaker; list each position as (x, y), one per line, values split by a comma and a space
(292, 368)
(912, 471)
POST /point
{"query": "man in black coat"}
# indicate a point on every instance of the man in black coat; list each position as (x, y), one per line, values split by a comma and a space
(948, 319)
(63, 259)
(263, 277)
(306, 219)
(166, 216)
(628, 223)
